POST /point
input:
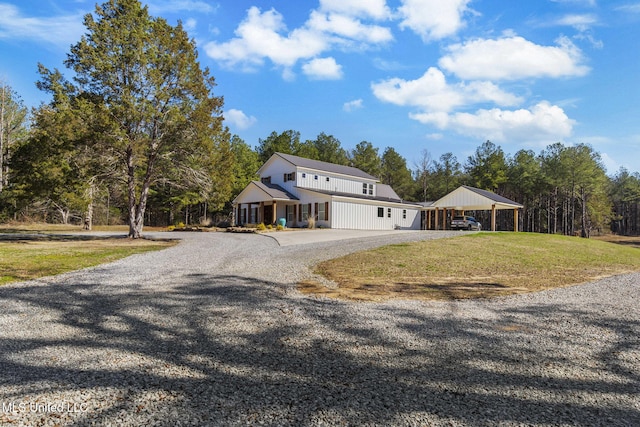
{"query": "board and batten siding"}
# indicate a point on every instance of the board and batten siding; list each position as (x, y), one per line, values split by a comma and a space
(334, 183)
(363, 216)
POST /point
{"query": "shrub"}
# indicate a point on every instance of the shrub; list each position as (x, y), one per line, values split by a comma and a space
(280, 227)
(311, 223)
(171, 227)
(180, 225)
(269, 227)
(261, 227)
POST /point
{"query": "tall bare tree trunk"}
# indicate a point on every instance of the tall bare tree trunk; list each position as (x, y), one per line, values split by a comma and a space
(88, 217)
(2, 133)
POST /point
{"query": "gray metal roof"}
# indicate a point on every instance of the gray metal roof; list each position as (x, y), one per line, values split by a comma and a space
(378, 198)
(274, 191)
(490, 195)
(325, 166)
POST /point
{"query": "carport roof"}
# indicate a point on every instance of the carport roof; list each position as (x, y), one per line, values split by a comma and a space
(470, 198)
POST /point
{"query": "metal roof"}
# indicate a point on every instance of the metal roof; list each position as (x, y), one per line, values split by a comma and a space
(380, 198)
(275, 191)
(492, 196)
(470, 198)
(325, 166)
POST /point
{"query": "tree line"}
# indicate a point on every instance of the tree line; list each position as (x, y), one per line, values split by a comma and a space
(137, 136)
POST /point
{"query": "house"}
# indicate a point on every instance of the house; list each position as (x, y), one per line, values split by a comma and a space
(335, 196)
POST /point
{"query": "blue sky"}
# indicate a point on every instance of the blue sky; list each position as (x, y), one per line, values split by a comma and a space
(441, 76)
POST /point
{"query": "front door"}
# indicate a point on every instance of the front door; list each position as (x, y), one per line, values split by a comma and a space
(268, 214)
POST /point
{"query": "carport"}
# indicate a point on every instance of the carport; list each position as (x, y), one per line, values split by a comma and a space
(467, 198)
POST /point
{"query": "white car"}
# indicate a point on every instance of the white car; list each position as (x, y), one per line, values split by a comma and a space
(465, 223)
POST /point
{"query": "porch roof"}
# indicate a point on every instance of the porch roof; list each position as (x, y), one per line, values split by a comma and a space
(258, 191)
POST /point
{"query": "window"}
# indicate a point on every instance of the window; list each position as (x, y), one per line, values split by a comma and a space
(290, 214)
(315, 177)
(305, 211)
(388, 212)
(289, 176)
(380, 212)
(266, 180)
(327, 179)
(321, 212)
(371, 189)
(404, 214)
(364, 189)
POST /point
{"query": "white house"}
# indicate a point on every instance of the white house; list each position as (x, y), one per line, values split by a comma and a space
(336, 196)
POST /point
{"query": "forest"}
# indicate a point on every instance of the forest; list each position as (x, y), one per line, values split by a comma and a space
(137, 137)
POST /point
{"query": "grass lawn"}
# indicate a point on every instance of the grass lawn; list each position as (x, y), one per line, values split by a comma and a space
(474, 266)
(44, 253)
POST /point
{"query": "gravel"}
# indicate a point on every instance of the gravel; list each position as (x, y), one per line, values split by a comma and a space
(213, 332)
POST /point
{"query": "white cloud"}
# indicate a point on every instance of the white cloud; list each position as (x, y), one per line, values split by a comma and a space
(350, 106)
(432, 93)
(513, 58)
(629, 8)
(157, 7)
(239, 119)
(433, 19)
(57, 30)
(190, 25)
(609, 163)
(586, 3)
(323, 69)
(258, 37)
(580, 22)
(348, 27)
(264, 36)
(376, 9)
(540, 124)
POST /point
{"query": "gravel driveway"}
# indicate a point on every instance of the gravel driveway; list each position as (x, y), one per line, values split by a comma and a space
(213, 332)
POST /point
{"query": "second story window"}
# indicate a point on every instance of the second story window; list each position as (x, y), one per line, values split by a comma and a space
(364, 188)
(371, 189)
(289, 176)
(266, 180)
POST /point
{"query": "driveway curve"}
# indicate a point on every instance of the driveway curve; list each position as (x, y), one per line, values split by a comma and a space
(213, 332)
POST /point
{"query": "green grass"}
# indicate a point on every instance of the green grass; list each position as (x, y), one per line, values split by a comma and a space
(472, 266)
(34, 258)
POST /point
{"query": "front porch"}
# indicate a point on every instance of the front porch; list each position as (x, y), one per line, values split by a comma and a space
(264, 203)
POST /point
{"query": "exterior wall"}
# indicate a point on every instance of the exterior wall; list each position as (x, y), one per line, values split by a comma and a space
(336, 183)
(310, 198)
(277, 168)
(364, 216)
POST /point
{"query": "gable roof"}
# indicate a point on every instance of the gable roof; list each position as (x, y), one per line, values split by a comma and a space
(272, 191)
(324, 166)
(491, 195)
(470, 198)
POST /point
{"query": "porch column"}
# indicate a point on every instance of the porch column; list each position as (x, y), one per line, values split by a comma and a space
(493, 217)
(273, 219)
(428, 224)
(260, 213)
(436, 224)
(444, 218)
(515, 220)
